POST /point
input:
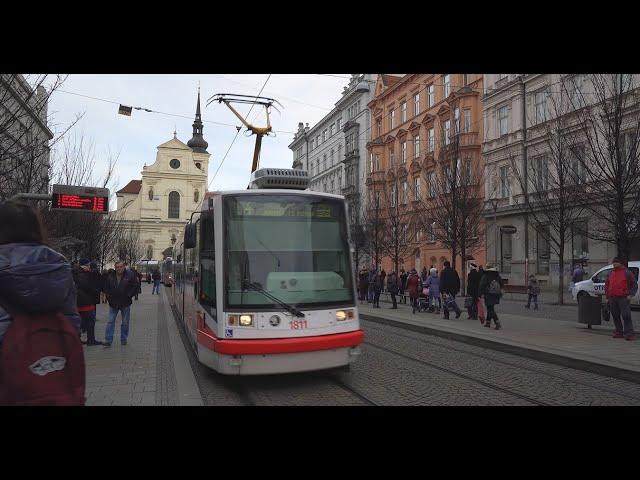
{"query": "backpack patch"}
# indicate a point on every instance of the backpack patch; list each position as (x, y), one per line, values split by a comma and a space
(494, 287)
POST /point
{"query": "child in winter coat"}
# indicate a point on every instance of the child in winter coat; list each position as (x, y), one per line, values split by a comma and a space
(533, 289)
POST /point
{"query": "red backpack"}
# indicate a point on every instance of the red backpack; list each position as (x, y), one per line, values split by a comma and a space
(41, 362)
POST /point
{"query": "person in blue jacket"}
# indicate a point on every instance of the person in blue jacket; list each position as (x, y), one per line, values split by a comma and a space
(33, 277)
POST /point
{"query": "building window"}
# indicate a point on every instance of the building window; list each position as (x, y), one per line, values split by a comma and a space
(318, 140)
(578, 160)
(446, 82)
(503, 117)
(579, 240)
(324, 135)
(392, 118)
(318, 167)
(541, 173)
(378, 167)
(431, 231)
(447, 178)
(416, 104)
(312, 144)
(332, 129)
(403, 112)
(404, 192)
(339, 124)
(149, 252)
(416, 187)
(196, 196)
(456, 120)
(541, 106)
(174, 205)
(379, 126)
(371, 163)
(432, 184)
(446, 132)
(504, 181)
(432, 139)
(506, 240)
(339, 153)
(324, 162)
(467, 172)
(394, 195)
(392, 157)
(543, 248)
(403, 152)
(416, 146)
(467, 121)
(575, 91)
(431, 97)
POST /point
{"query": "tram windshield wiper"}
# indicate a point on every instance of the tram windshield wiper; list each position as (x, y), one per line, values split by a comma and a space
(289, 308)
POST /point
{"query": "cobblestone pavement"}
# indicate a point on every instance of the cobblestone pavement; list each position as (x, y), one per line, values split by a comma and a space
(401, 367)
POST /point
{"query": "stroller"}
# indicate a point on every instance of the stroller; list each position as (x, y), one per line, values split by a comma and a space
(423, 300)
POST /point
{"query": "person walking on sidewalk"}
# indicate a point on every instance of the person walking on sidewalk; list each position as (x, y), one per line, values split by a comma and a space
(402, 285)
(363, 284)
(533, 290)
(620, 286)
(450, 285)
(491, 289)
(121, 287)
(392, 287)
(139, 279)
(413, 284)
(377, 288)
(88, 285)
(156, 282)
(473, 284)
(433, 284)
(578, 274)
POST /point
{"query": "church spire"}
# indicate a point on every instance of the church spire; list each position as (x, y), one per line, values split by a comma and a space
(197, 142)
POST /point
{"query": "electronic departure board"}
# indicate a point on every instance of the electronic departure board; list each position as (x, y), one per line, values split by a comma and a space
(68, 197)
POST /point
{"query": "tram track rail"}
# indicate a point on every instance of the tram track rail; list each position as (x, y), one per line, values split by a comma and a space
(507, 363)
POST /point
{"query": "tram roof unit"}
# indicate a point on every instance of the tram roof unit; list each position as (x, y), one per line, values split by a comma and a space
(278, 178)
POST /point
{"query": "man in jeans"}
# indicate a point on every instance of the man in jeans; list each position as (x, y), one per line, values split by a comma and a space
(156, 282)
(619, 288)
(120, 286)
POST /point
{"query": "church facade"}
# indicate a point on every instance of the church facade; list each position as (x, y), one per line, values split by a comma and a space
(160, 204)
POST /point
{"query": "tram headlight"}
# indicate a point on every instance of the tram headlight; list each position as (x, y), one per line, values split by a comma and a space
(246, 320)
(344, 315)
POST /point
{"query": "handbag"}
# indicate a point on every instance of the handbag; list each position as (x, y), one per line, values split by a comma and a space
(481, 316)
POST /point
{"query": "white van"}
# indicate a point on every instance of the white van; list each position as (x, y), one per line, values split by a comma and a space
(594, 286)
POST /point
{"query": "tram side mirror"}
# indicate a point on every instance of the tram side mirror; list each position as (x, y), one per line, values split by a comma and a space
(190, 236)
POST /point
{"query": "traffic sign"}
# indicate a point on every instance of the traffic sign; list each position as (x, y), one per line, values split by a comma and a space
(86, 199)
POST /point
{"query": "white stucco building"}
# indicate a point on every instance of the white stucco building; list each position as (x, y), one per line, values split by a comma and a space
(171, 189)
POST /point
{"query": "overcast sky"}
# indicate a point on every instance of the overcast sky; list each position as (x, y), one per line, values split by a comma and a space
(305, 98)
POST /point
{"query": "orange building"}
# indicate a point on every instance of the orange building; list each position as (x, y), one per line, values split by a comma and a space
(416, 119)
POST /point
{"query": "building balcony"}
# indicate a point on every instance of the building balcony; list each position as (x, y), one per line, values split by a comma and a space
(349, 190)
(375, 177)
(469, 139)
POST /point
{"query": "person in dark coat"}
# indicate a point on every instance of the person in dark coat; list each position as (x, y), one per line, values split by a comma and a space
(450, 285)
(139, 278)
(120, 287)
(88, 284)
(34, 278)
(473, 284)
(383, 277)
(392, 287)
(363, 284)
(491, 298)
(413, 284)
(156, 282)
(402, 285)
(377, 289)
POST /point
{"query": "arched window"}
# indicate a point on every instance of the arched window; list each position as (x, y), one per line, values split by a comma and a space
(174, 205)
(196, 196)
(151, 193)
(149, 252)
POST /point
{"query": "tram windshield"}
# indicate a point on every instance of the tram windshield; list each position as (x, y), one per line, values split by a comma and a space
(295, 247)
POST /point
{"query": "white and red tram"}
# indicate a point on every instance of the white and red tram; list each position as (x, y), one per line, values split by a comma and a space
(264, 282)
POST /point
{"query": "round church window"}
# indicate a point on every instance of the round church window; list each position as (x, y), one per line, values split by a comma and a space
(175, 163)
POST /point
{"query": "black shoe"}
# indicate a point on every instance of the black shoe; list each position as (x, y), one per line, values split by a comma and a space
(91, 344)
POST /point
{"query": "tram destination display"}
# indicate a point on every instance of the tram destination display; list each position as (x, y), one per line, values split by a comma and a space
(261, 208)
(87, 199)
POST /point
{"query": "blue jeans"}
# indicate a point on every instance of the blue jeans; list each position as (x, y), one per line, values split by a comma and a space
(156, 287)
(111, 324)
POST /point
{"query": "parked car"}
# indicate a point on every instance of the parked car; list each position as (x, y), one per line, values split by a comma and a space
(594, 286)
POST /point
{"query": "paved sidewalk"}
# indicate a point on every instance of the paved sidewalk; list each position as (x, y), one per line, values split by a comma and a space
(152, 369)
(549, 339)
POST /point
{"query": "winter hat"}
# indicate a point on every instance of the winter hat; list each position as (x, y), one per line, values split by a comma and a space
(433, 270)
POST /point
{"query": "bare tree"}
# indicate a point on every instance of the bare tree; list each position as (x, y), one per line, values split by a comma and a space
(128, 247)
(26, 135)
(397, 242)
(552, 186)
(608, 117)
(374, 229)
(451, 211)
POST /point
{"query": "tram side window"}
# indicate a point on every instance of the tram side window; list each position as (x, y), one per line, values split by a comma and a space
(207, 264)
